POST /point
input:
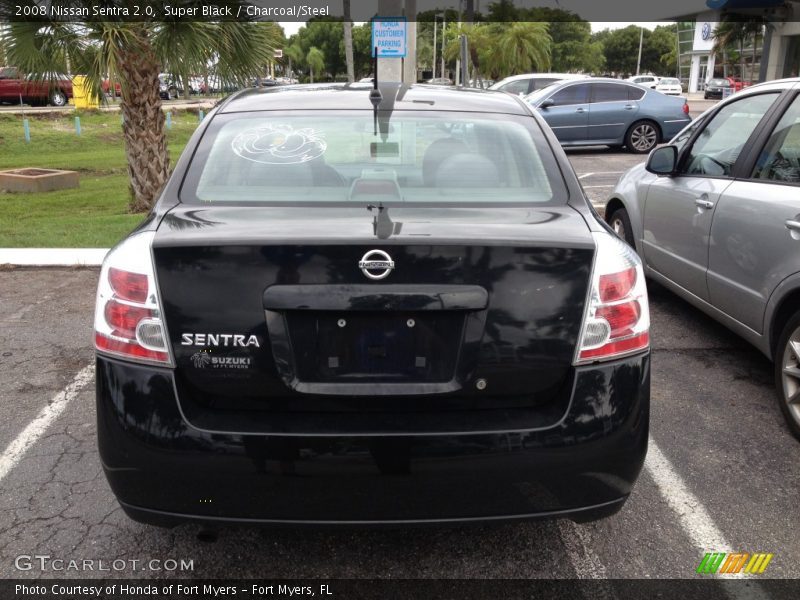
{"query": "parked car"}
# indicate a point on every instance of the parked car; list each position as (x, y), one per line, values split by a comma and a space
(717, 88)
(320, 325)
(648, 81)
(439, 81)
(483, 84)
(15, 86)
(216, 85)
(106, 87)
(671, 86)
(715, 216)
(737, 84)
(609, 112)
(527, 83)
(167, 88)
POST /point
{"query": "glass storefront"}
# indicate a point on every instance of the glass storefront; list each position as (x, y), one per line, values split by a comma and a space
(791, 66)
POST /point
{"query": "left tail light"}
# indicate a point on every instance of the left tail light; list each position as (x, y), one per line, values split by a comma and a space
(686, 108)
(128, 319)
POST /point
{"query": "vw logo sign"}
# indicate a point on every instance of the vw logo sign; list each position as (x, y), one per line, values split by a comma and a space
(376, 264)
(706, 33)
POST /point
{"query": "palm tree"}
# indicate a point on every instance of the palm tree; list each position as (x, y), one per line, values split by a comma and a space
(315, 60)
(479, 39)
(501, 49)
(520, 47)
(133, 54)
(348, 42)
(731, 33)
(294, 54)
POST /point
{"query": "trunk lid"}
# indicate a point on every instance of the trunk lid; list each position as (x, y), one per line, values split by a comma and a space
(270, 308)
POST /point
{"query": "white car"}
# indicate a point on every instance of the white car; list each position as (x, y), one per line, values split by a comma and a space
(522, 85)
(648, 81)
(671, 86)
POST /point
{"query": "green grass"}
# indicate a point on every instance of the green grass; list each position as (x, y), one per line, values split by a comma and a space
(94, 215)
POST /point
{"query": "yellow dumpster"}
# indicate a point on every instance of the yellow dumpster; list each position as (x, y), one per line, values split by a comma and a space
(81, 94)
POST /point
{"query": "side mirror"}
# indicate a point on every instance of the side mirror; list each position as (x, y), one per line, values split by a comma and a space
(547, 103)
(662, 161)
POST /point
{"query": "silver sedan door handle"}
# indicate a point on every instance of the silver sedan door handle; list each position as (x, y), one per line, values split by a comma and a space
(793, 225)
(629, 107)
(704, 203)
(580, 110)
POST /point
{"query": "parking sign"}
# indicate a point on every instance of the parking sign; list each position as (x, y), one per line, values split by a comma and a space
(389, 37)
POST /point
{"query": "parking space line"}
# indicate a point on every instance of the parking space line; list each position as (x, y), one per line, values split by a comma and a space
(693, 517)
(36, 428)
(610, 185)
(585, 175)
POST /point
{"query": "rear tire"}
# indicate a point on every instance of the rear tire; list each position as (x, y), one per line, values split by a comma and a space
(642, 137)
(58, 98)
(620, 222)
(787, 374)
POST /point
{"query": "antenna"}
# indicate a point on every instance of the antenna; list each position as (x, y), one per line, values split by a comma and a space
(375, 95)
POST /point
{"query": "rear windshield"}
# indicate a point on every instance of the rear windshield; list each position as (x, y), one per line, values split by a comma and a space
(326, 157)
(668, 81)
(720, 82)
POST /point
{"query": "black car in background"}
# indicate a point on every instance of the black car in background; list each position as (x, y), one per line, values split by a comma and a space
(350, 309)
(717, 88)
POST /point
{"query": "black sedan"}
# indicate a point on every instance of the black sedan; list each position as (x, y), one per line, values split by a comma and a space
(358, 306)
(717, 88)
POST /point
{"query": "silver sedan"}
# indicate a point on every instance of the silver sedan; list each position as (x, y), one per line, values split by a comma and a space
(715, 217)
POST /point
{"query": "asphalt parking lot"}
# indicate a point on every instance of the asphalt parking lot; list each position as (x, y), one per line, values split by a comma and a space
(721, 475)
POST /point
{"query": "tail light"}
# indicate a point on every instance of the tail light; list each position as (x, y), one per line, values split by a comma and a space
(128, 316)
(617, 321)
(686, 108)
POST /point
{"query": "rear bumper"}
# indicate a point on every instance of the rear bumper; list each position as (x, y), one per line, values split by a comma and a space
(164, 471)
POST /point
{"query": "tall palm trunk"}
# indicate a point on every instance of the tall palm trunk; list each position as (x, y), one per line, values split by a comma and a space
(741, 59)
(143, 125)
(348, 42)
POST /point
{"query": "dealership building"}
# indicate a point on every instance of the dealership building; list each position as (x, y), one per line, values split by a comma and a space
(776, 53)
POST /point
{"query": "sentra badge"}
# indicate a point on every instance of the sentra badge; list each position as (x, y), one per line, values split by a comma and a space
(376, 264)
(219, 340)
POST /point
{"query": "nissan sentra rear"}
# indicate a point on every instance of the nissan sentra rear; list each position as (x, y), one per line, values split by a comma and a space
(345, 311)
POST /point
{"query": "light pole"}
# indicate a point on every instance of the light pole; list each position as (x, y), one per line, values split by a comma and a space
(639, 59)
(444, 24)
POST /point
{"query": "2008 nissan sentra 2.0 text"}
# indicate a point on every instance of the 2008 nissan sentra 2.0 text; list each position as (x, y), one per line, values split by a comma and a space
(372, 306)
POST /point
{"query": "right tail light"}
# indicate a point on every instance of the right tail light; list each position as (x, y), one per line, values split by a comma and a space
(617, 319)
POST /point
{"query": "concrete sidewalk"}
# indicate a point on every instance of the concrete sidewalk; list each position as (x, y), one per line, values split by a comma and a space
(53, 257)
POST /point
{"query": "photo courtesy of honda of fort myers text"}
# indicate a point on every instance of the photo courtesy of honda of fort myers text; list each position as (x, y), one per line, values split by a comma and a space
(399, 299)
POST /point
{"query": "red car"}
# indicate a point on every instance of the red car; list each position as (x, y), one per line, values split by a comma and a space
(106, 85)
(737, 84)
(15, 86)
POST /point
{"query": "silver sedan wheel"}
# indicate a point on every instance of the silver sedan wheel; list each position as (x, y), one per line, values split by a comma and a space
(644, 137)
(791, 375)
(619, 227)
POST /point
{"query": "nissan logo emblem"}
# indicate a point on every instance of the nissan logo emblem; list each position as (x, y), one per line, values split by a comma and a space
(376, 264)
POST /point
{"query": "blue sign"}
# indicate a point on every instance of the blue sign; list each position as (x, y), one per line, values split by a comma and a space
(389, 37)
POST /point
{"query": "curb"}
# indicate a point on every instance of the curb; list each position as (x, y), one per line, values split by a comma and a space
(53, 257)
